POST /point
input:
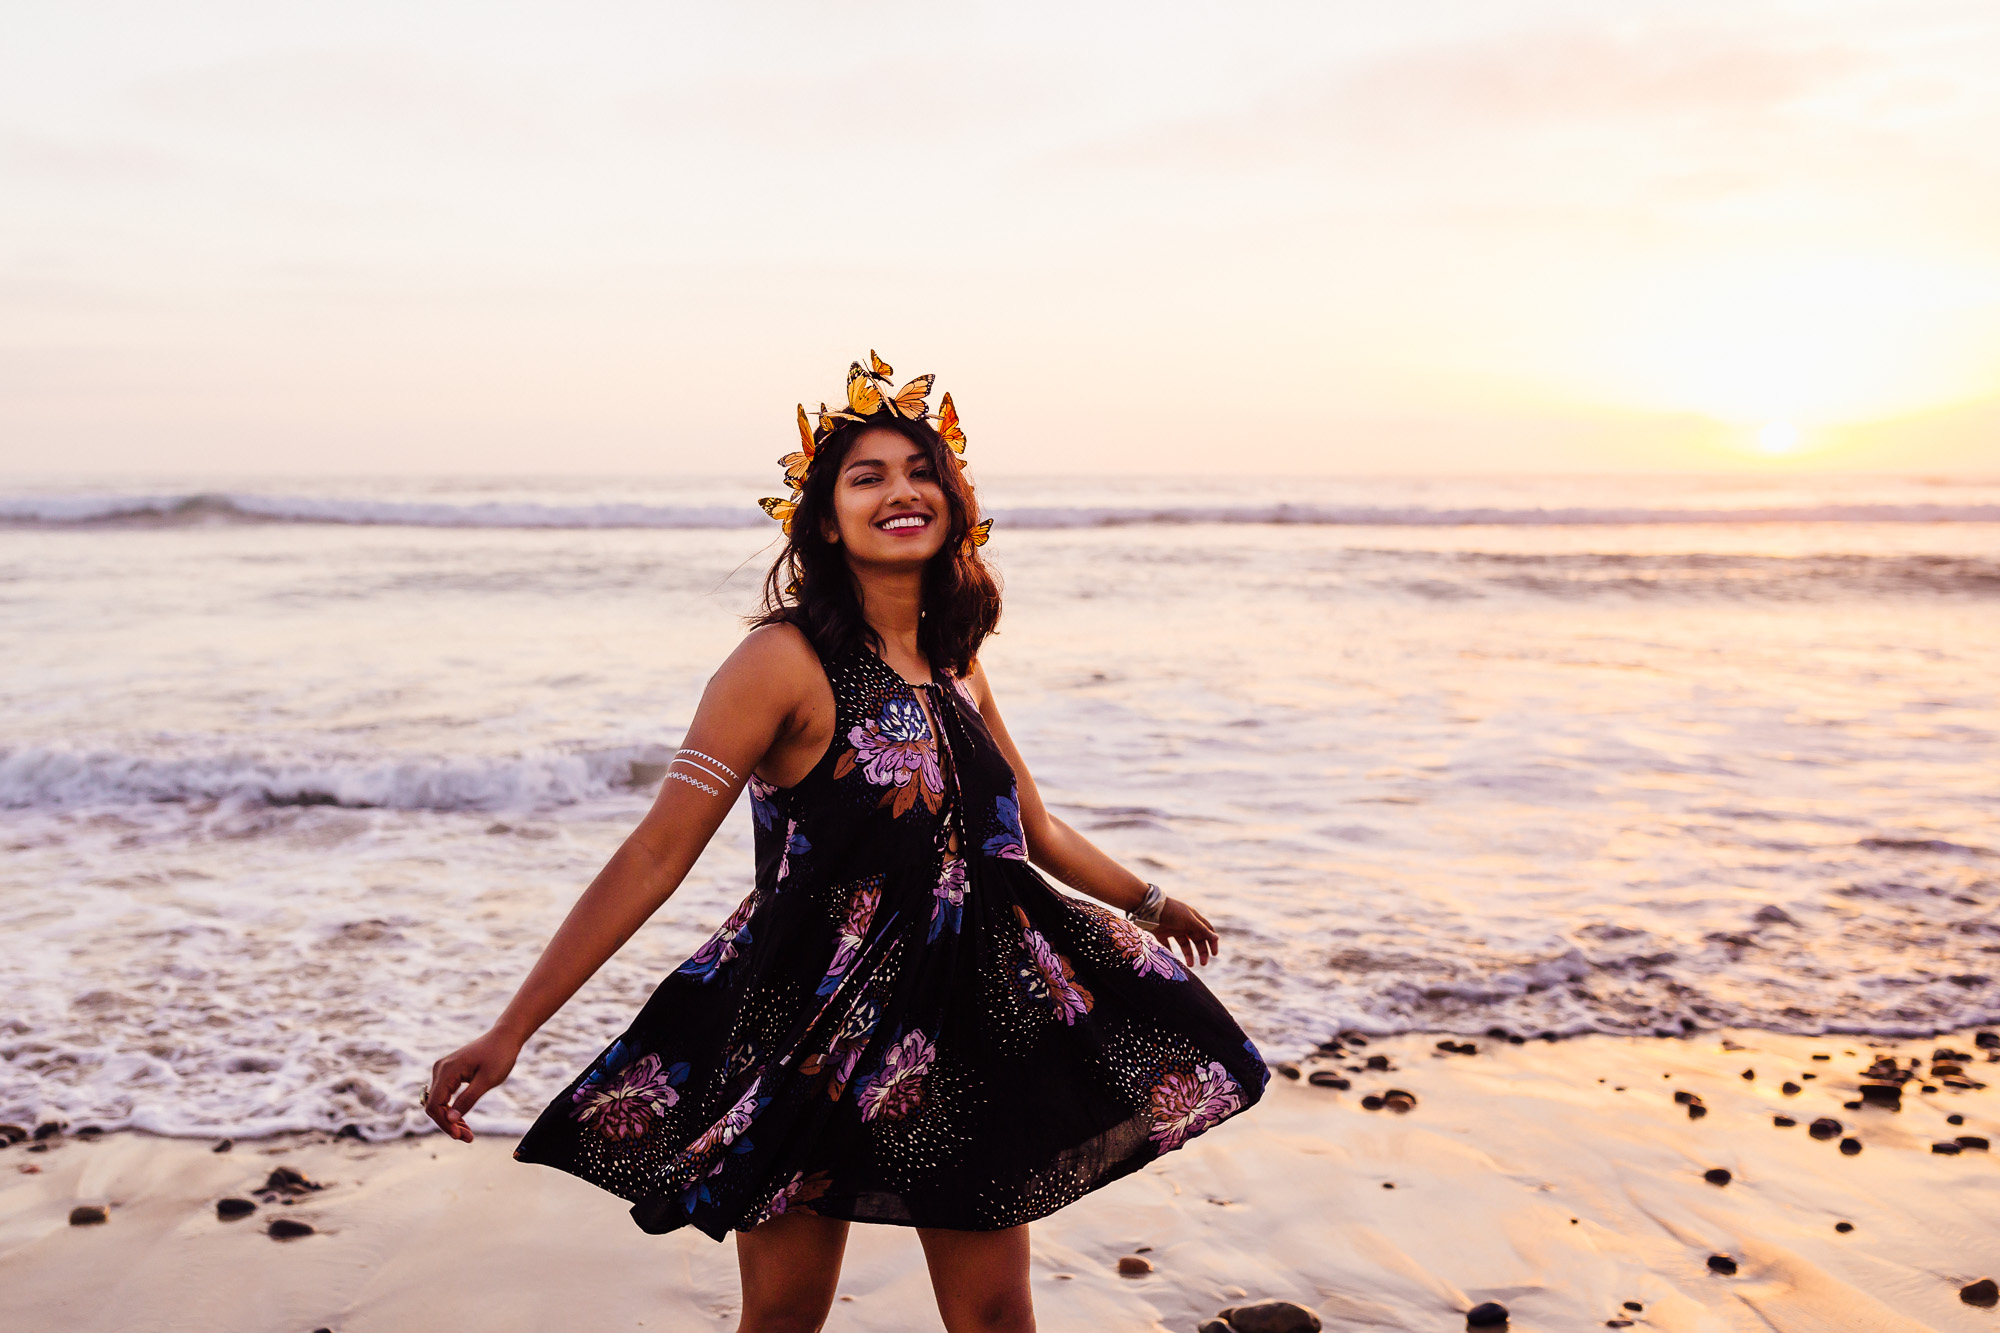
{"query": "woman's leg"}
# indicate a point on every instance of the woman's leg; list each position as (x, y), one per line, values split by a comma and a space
(981, 1279)
(790, 1265)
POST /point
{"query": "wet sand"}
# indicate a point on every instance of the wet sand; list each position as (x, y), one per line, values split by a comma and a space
(1558, 1179)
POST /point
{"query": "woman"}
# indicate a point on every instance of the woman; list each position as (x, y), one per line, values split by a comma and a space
(903, 1022)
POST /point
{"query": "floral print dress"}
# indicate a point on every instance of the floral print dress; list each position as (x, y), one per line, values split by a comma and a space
(888, 1030)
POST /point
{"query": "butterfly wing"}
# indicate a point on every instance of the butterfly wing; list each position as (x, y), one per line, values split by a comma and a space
(976, 537)
(829, 420)
(909, 399)
(948, 427)
(878, 367)
(795, 464)
(782, 510)
(863, 398)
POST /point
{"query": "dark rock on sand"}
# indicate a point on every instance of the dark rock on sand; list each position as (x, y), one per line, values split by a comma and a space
(1270, 1317)
(1716, 1176)
(1973, 1142)
(1290, 1071)
(1946, 1149)
(1783, 1121)
(1987, 1041)
(1723, 1264)
(1983, 1293)
(1696, 1110)
(286, 1180)
(229, 1209)
(1686, 1098)
(12, 1134)
(1826, 1127)
(1843, 1227)
(1490, 1315)
(286, 1228)
(1635, 1307)
(1749, 1076)
(1378, 1062)
(85, 1214)
(224, 1146)
(349, 1132)
(1326, 1078)
(1371, 1103)
(1850, 1147)
(1135, 1265)
(1618, 1323)
(1789, 1088)
(1887, 1095)
(48, 1129)
(1954, 1119)
(1402, 1103)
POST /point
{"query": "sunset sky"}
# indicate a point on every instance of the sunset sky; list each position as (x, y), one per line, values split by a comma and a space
(1323, 237)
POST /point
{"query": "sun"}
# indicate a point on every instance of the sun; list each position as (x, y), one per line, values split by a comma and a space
(1777, 437)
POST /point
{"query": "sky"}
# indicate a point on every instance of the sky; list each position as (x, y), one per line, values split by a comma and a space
(1445, 236)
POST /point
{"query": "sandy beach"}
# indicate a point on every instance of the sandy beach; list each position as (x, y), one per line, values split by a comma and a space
(1559, 1179)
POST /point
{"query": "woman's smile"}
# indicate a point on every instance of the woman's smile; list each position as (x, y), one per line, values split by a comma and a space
(905, 523)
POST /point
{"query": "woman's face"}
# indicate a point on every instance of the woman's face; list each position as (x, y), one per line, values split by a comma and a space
(888, 505)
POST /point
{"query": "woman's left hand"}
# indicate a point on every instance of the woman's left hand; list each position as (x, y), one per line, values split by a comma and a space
(1181, 924)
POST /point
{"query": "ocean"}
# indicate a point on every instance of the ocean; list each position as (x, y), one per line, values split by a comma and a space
(297, 777)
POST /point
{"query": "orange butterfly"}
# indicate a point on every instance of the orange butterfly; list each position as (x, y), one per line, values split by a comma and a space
(795, 464)
(863, 398)
(881, 369)
(909, 399)
(866, 397)
(782, 510)
(948, 427)
(976, 537)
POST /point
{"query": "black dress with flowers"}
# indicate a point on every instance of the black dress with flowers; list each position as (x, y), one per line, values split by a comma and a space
(888, 1030)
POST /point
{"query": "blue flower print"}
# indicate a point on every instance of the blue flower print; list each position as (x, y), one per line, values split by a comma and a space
(1009, 843)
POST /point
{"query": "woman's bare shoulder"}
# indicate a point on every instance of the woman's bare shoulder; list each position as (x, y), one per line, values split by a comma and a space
(771, 659)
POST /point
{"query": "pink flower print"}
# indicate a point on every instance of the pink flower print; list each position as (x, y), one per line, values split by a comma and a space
(897, 751)
(897, 1088)
(1187, 1101)
(845, 1052)
(1141, 949)
(725, 1131)
(761, 806)
(1009, 843)
(795, 845)
(624, 1107)
(800, 1189)
(1048, 977)
(948, 898)
(853, 931)
(709, 960)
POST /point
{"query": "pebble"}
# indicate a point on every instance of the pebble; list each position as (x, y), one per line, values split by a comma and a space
(1269, 1317)
(1635, 1307)
(1789, 1088)
(1749, 1076)
(1716, 1176)
(1889, 1095)
(1371, 1103)
(1696, 1110)
(1378, 1062)
(1326, 1078)
(84, 1214)
(286, 1180)
(1946, 1149)
(233, 1208)
(286, 1228)
(48, 1129)
(1618, 1323)
(12, 1134)
(1402, 1103)
(1783, 1121)
(1825, 1127)
(1723, 1264)
(1954, 1119)
(224, 1146)
(1983, 1293)
(1973, 1143)
(1490, 1315)
(1850, 1147)
(29, 1169)
(1843, 1227)
(1686, 1098)
(1290, 1071)
(1135, 1265)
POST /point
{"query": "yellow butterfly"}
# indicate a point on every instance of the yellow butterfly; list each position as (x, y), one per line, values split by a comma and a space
(976, 537)
(948, 427)
(863, 398)
(796, 463)
(881, 369)
(828, 418)
(909, 399)
(782, 510)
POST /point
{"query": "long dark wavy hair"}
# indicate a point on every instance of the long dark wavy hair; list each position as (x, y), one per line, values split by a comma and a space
(810, 585)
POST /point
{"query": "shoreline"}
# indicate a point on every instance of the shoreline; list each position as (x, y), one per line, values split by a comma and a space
(1558, 1178)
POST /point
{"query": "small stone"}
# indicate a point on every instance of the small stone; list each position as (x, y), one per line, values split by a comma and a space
(1269, 1317)
(1946, 1149)
(1402, 1103)
(1987, 1041)
(229, 1209)
(349, 1132)
(1516, 1040)
(1618, 1323)
(1135, 1265)
(1822, 1057)
(1928, 1087)
(1448, 1047)
(1371, 1103)
(286, 1228)
(29, 1169)
(224, 1146)
(1983, 1293)
(1886, 1095)
(1850, 1147)
(12, 1134)
(84, 1215)
(1954, 1119)
(1808, 1075)
(1634, 1307)
(1378, 1062)
(90, 1131)
(1826, 1127)
(1326, 1078)
(1686, 1098)
(1749, 1076)
(1716, 1176)
(1723, 1264)
(1783, 1121)
(287, 1180)
(1696, 1110)
(1850, 1106)
(1843, 1227)
(38, 1147)
(1973, 1142)
(48, 1129)
(1789, 1088)
(1490, 1315)
(1290, 1071)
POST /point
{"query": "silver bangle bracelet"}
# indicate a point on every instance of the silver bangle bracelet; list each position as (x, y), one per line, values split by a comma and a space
(1147, 913)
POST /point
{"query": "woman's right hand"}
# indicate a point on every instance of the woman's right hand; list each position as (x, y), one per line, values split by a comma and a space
(481, 1065)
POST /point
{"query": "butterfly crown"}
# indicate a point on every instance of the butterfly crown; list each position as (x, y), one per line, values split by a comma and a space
(868, 395)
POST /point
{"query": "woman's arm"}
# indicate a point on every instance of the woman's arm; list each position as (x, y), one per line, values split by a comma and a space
(760, 705)
(1078, 862)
